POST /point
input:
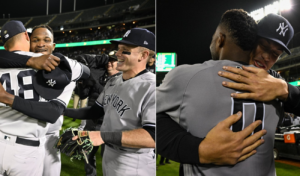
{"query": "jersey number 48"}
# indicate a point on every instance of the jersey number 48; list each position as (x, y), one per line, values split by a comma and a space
(19, 83)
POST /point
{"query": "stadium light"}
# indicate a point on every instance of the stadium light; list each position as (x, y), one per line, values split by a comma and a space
(285, 5)
(29, 30)
(61, 28)
(275, 8)
(257, 14)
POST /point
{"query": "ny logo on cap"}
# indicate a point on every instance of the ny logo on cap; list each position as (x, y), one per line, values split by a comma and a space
(127, 33)
(283, 29)
(51, 82)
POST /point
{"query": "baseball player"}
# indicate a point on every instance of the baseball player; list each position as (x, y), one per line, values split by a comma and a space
(25, 132)
(198, 83)
(128, 105)
(258, 83)
(271, 43)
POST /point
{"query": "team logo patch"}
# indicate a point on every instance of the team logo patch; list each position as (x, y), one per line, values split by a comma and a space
(282, 28)
(145, 43)
(127, 33)
(6, 36)
(51, 82)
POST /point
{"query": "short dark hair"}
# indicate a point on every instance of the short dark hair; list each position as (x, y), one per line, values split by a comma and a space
(242, 28)
(43, 26)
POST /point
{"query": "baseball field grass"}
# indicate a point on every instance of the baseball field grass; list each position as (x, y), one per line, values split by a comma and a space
(76, 168)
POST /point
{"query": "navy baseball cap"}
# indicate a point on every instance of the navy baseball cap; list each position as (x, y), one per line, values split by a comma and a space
(11, 29)
(51, 84)
(138, 37)
(277, 29)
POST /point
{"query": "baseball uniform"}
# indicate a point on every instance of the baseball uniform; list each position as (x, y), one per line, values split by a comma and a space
(22, 138)
(128, 105)
(199, 102)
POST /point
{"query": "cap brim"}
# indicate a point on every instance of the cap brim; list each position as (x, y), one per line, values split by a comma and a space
(113, 57)
(123, 42)
(279, 42)
(41, 87)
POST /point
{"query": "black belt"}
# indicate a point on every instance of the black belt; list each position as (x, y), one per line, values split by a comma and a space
(25, 141)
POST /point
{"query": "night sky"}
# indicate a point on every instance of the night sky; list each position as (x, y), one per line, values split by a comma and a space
(187, 27)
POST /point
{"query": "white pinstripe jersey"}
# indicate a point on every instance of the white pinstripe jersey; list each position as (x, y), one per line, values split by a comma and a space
(194, 97)
(18, 81)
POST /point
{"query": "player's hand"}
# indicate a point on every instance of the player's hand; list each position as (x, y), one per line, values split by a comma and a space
(44, 62)
(94, 136)
(257, 82)
(222, 146)
(6, 97)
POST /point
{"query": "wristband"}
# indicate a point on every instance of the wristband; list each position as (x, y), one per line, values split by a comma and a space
(112, 137)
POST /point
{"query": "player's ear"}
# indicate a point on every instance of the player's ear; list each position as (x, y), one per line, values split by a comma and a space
(145, 54)
(221, 40)
(27, 36)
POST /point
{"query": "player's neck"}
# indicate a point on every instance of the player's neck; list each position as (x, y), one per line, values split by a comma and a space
(19, 47)
(235, 54)
(131, 73)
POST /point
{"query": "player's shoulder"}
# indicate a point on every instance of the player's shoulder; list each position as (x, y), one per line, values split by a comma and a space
(148, 76)
(25, 53)
(275, 74)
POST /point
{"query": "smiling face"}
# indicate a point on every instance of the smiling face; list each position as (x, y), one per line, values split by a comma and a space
(128, 62)
(41, 41)
(266, 54)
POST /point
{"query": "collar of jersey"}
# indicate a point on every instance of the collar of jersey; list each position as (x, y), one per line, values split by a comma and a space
(142, 72)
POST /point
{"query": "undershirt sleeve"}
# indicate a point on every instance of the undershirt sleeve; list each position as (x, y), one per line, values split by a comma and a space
(176, 143)
(292, 104)
(12, 60)
(150, 130)
(90, 112)
(45, 111)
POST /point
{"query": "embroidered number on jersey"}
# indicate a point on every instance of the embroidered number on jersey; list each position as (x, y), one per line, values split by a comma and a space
(240, 105)
(19, 83)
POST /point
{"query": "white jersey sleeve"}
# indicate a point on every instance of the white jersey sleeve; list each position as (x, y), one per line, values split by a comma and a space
(77, 69)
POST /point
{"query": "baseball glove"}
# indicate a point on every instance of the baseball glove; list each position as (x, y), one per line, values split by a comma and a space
(76, 149)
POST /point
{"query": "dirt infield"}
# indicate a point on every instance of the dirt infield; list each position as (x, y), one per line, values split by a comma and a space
(289, 161)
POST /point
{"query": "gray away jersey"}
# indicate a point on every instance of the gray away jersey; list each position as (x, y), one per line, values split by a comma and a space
(128, 105)
(194, 97)
(18, 81)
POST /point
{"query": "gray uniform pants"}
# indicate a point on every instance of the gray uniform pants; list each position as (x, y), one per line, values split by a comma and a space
(52, 161)
(121, 163)
(20, 160)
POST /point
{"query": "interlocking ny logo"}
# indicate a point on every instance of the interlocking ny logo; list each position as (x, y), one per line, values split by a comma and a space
(283, 29)
(127, 33)
(51, 82)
